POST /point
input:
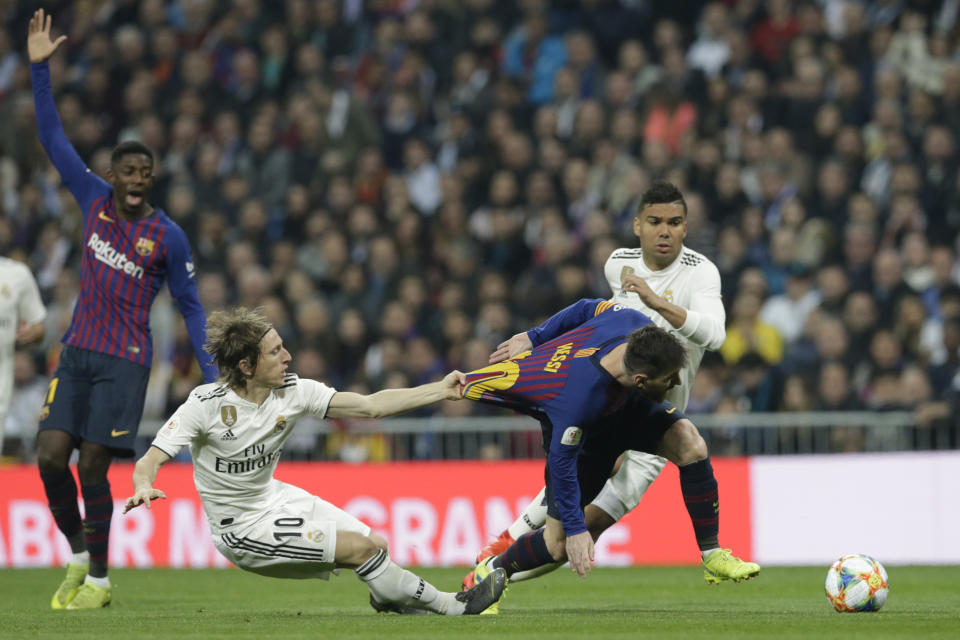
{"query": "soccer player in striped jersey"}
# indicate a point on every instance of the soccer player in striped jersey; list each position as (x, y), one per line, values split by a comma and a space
(236, 430)
(96, 395)
(679, 289)
(574, 376)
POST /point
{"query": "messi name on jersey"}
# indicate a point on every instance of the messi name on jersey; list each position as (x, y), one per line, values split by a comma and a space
(105, 253)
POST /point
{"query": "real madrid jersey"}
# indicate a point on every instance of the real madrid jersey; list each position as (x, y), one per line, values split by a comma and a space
(236, 444)
(691, 282)
(19, 301)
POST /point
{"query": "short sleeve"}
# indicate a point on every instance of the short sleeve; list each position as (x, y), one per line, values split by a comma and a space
(315, 396)
(183, 427)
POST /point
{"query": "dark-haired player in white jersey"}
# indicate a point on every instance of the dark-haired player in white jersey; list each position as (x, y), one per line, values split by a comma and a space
(236, 429)
(679, 289)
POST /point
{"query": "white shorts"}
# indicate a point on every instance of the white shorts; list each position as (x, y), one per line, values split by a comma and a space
(622, 491)
(298, 539)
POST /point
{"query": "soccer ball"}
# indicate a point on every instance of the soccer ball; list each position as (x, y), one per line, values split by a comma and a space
(857, 583)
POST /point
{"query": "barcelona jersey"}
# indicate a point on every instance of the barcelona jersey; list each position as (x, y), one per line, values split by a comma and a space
(561, 383)
(123, 263)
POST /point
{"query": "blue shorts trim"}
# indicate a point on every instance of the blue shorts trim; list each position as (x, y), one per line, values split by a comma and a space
(96, 398)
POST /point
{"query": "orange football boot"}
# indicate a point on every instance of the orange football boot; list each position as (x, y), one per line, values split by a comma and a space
(494, 548)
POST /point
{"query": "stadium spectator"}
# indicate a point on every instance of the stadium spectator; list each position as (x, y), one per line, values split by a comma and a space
(847, 115)
(788, 312)
(23, 412)
(532, 55)
(747, 333)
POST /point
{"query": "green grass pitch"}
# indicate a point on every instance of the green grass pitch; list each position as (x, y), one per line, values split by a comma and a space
(647, 602)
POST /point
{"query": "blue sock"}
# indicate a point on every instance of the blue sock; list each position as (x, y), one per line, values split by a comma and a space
(528, 552)
(98, 503)
(61, 490)
(699, 487)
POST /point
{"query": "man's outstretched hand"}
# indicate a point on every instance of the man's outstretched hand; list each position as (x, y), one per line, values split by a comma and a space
(143, 496)
(39, 45)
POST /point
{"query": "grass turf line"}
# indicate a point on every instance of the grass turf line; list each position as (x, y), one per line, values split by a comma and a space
(648, 602)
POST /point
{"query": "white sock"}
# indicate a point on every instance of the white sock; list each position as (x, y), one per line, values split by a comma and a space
(532, 518)
(707, 552)
(389, 582)
(100, 582)
(80, 558)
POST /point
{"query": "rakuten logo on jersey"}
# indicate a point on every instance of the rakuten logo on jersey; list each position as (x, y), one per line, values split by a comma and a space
(106, 254)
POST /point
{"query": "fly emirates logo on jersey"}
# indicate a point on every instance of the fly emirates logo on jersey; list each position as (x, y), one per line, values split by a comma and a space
(255, 457)
(105, 253)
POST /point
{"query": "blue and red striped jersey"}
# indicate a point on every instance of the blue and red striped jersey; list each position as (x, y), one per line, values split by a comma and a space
(123, 264)
(561, 383)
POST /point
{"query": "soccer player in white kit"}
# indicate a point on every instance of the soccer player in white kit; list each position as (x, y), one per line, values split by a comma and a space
(236, 429)
(21, 322)
(679, 289)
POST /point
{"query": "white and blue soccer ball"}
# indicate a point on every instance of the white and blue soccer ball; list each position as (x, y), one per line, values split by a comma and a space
(857, 583)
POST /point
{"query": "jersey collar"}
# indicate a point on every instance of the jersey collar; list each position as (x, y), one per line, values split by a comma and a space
(673, 266)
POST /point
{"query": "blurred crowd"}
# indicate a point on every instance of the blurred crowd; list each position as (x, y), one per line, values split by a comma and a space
(402, 184)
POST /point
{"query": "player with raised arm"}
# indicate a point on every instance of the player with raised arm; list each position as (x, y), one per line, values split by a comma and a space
(21, 323)
(679, 289)
(96, 395)
(236, 429)
(575, 375)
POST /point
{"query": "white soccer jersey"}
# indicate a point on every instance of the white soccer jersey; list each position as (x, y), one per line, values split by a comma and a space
(691, 282)
(19, 301)
(236, 444)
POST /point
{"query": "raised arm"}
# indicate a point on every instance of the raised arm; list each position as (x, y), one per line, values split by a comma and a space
(144, 473)
(39, 45)
(346, 404)
(61, 153)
